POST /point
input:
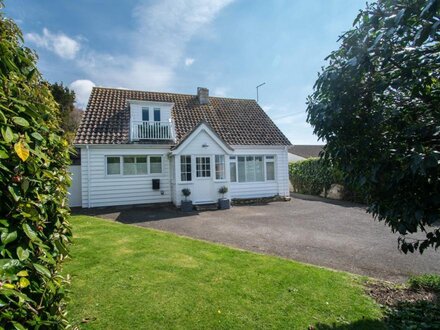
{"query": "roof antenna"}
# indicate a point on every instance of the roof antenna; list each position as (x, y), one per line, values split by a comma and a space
(258, 87)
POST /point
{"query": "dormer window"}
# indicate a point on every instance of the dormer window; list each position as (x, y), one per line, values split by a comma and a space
(145, 114)
(150, 120)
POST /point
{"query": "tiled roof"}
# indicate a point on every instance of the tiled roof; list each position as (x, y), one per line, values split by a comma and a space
(306, 151)
(237, 121)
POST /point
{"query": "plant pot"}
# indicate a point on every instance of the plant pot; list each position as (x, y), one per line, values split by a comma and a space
(224, 203)
(186, 206)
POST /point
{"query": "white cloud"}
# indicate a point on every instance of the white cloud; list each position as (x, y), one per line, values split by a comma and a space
(220, 91)
(189, 61)
(82, 89)
(59, 43)
(155, 48)
(267, 107)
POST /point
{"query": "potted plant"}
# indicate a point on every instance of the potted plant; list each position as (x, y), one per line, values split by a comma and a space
(223, 203)
(186, 205)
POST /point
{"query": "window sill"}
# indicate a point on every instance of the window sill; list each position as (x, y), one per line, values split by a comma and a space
(132, 175)
(251, 182)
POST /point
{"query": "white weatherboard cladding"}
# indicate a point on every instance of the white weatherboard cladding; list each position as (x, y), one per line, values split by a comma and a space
(202, 144)
(75, 197)
(173, 180)
(268, 188)
(106, 190)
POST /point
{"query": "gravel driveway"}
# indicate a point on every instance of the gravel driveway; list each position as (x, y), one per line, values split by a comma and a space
(337, 235)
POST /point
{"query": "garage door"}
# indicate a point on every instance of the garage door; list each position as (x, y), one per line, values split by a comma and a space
(75, 188)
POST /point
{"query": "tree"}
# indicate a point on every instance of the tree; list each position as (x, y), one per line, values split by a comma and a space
(34, 159)
(377, 104)
(70, 116)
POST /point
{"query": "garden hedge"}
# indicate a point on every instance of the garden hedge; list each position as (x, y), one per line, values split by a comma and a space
(34, 159)
(312, 176)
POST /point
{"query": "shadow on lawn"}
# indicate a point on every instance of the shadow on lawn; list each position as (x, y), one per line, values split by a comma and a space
(133, 214)
(405, 315)
(360, 324)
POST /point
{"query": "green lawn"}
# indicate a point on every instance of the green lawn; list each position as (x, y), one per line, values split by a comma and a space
(126, 277)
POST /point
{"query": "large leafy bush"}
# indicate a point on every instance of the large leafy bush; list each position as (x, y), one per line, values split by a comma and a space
(312, 176)
(34, 231)
(377, 105)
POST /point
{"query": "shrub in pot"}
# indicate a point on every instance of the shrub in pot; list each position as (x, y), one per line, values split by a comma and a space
(186, 205)
(223, 203)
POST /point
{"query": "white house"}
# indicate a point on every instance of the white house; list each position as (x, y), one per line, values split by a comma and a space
(142, 147)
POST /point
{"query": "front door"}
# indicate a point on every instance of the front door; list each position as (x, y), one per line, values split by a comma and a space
(203, 182)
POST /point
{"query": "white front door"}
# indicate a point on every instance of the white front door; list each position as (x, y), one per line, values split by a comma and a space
(203, 181)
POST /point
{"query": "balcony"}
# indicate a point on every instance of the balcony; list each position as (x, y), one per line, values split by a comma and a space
(151, 130)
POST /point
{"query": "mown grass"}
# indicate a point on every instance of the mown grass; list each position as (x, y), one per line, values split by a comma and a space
(126, 277)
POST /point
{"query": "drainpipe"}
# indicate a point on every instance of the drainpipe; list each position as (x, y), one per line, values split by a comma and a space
(88, 176)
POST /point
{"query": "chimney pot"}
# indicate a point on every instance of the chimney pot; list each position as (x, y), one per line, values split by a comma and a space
(203, 95)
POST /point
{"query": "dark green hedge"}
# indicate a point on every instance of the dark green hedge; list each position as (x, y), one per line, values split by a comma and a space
(34, 160)
(312, 176)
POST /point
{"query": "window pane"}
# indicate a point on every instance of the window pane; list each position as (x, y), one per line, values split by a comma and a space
(219, 167)
(113, 165)
(259, 168)
(185, 168)
(233, 171)
(155, 164)
(129, 166)
(241, 169)
(141, 165)
(203, 167)
(250, 169)
(156, 114)
(145, 114)
(270, 171)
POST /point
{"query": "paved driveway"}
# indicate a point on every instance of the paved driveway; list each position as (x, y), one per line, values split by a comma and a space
(338, 235)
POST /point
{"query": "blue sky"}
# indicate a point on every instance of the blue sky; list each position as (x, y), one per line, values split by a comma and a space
(228, 46)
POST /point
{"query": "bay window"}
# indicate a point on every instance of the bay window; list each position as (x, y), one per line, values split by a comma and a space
(252, 168)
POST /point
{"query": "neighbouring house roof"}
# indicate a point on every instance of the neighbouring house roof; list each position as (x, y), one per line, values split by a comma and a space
(236, 121)
(306, 151)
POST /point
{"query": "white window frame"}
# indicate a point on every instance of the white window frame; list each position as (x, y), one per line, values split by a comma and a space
(270, 159)
(106, 165)
(121, 166)
(266, 159)
(203, 170)
(224, 168)
(149, 164)
(180, 169)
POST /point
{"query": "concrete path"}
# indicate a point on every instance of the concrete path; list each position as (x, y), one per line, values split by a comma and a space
(338, 235)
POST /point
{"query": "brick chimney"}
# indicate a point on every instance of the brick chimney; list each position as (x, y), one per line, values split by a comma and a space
(203, 95)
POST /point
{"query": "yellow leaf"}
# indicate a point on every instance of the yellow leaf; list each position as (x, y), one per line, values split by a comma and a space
(23, 273)
(24, 282)
(21, 150)
(8, 286)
